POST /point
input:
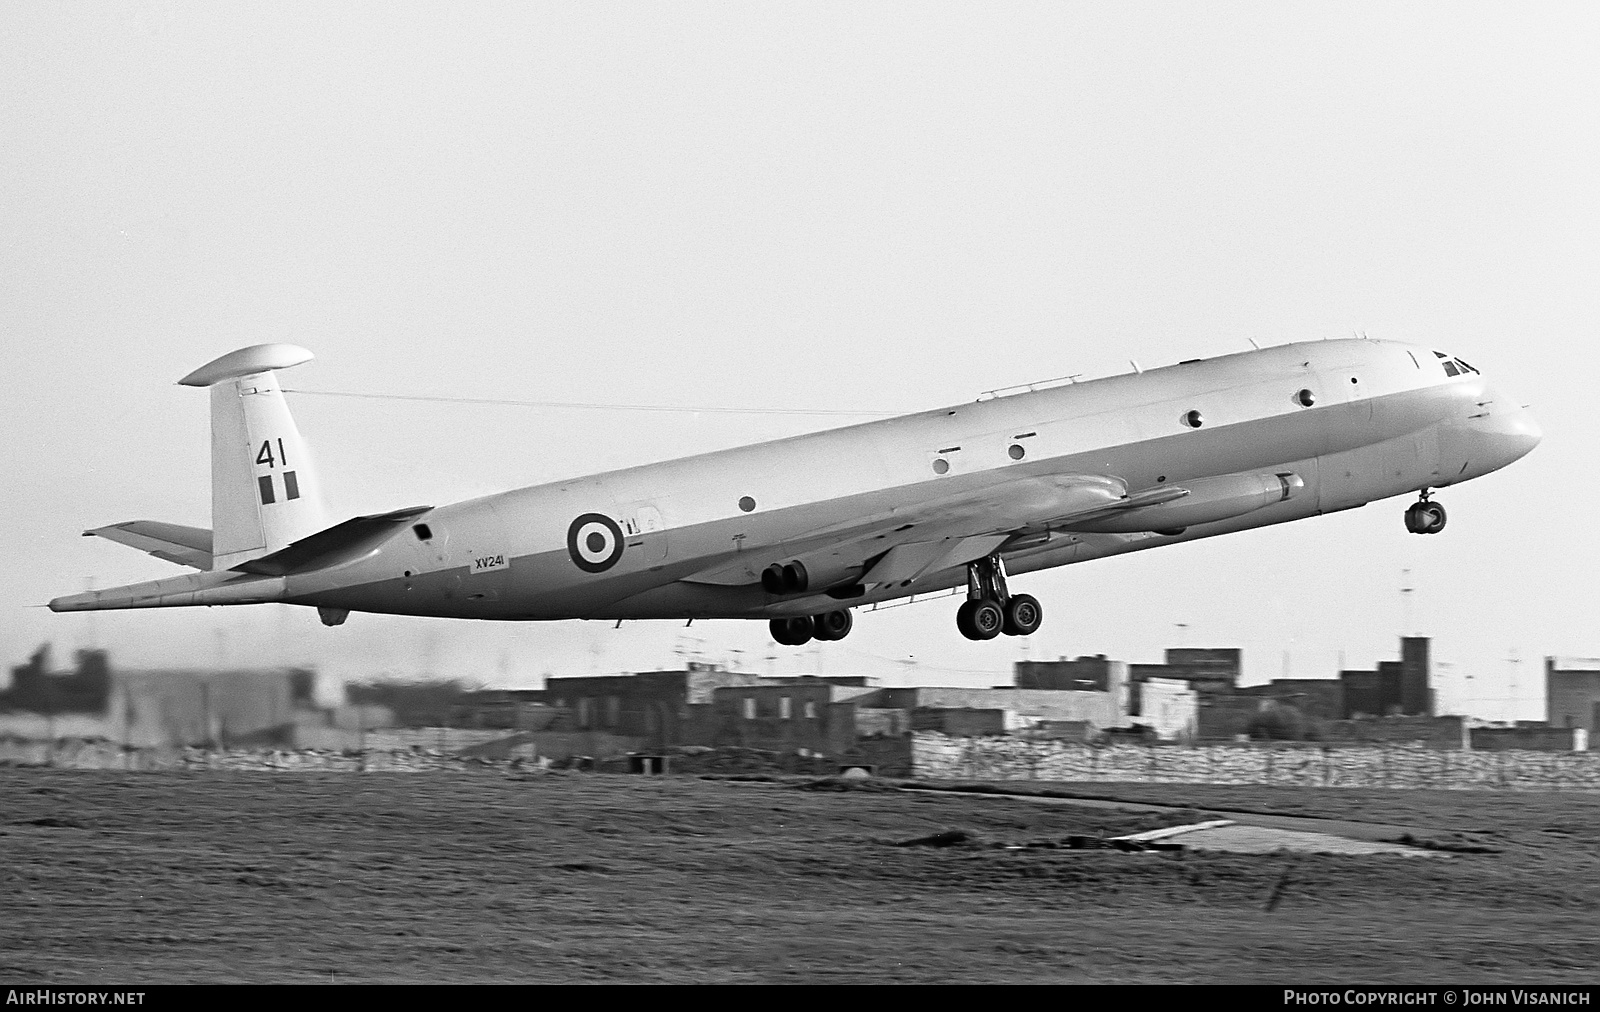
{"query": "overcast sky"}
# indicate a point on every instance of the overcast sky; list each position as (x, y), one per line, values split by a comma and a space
(847, 207)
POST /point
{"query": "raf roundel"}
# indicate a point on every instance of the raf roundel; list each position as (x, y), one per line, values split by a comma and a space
(595, 542)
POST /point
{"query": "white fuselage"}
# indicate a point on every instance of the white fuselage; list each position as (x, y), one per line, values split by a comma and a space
(1385, 420)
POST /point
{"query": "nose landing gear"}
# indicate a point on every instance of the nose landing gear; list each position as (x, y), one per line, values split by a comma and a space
(1424, 516)
(991, 609)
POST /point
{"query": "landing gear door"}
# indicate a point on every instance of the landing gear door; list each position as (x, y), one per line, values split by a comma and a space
(645, 530)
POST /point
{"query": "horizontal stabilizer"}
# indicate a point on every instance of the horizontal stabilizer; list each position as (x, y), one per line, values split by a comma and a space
(187, 546)
(340, 543)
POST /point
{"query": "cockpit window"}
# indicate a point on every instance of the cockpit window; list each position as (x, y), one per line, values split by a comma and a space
(1454, 366)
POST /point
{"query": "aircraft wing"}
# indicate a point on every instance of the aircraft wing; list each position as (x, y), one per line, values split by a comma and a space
(897, 543)
(187, 546)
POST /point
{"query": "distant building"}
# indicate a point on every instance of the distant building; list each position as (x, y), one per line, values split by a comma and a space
(1224, 718)
(518, 709)
(1086, 674)
(429, 703)
(1170, 708)
(154, 708)
(1031, 707)
(1396, 688)
(790, 715)
(1572, 692)
(1321, 698)
(1208, 670)
(652, 705)
(37, 689)
(1416, 695)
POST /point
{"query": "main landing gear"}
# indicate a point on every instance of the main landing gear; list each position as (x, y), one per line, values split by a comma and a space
(1425, 517)
(991, 609)
(830, 625)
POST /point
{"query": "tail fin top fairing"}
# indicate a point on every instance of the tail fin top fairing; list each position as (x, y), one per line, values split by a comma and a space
(265, 494)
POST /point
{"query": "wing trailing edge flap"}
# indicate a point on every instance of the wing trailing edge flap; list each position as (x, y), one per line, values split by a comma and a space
(187, 546)
(338, 544)
(909, 561)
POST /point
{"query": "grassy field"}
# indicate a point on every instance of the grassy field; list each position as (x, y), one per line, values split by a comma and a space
(482, 876)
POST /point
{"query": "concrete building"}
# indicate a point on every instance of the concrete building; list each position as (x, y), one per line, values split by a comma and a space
(1572, 692)
(1320, 698)
(1170, 708)
(790, 715)
(1416, 694)
(1224, 718)
(1032, 706)
(654, 706)
(513, 709)
(154, 708)
(1085, 674)
(1208, 670)
(36, 688)
(835, 719)
(1396, 688)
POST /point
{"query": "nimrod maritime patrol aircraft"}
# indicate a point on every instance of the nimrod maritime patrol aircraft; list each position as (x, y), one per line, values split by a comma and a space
(800, 531)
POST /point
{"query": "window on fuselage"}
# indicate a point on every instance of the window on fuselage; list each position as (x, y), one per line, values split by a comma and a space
(1465, 367)
(1450, 368)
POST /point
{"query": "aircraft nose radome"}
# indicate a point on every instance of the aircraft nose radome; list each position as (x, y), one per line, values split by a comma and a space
(1512, 435)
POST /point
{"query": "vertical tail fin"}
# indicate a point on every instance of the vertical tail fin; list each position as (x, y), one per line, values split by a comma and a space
(265, 493)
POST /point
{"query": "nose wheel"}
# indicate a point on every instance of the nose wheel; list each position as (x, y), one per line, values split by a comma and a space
(991, 609)
(1425, 516)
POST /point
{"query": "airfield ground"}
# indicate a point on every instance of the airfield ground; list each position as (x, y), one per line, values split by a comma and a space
(562, 877)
